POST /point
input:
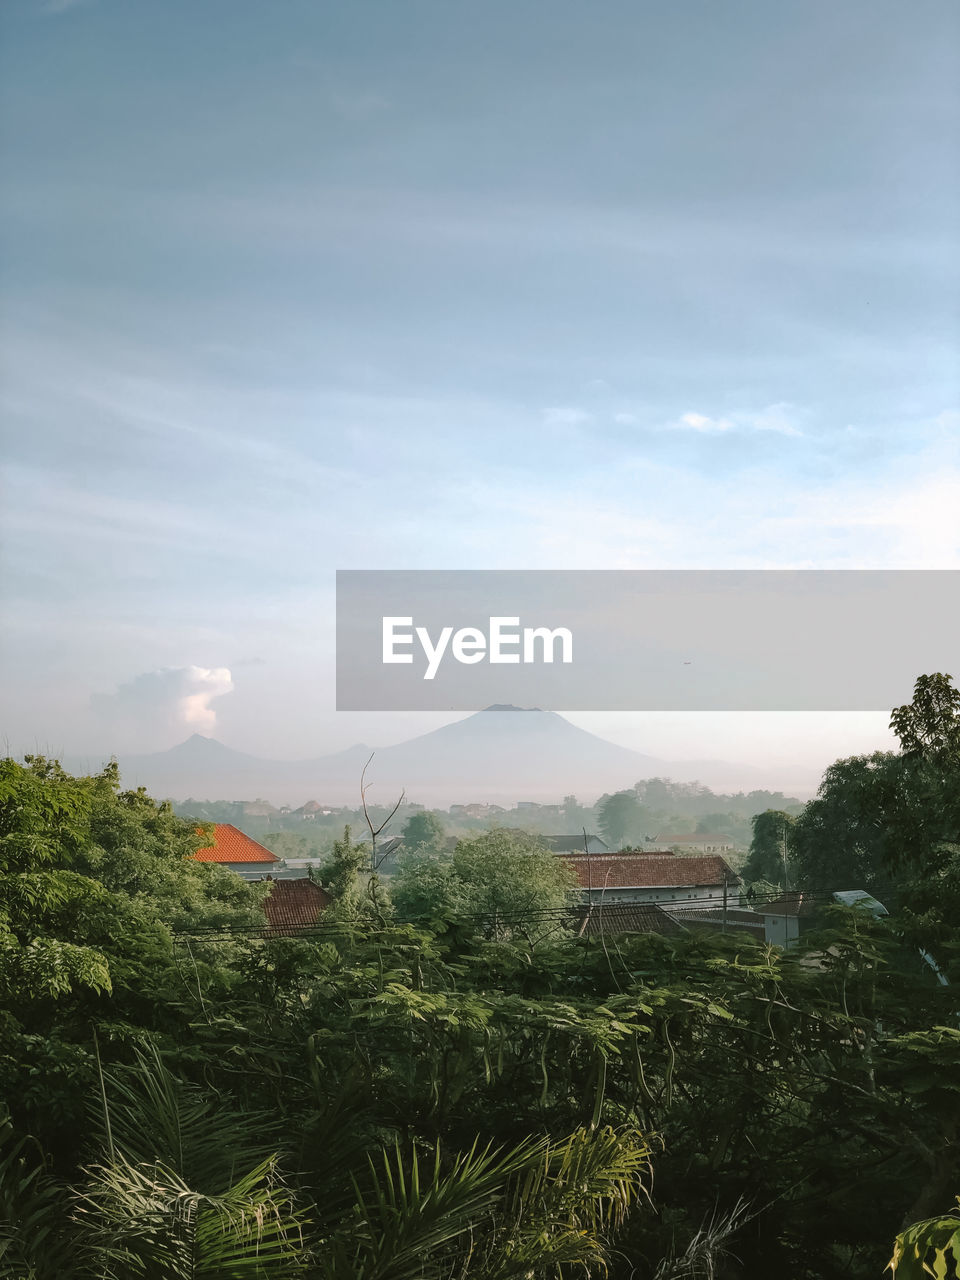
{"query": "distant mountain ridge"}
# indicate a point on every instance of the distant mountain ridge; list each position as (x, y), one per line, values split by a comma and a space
(502, 754)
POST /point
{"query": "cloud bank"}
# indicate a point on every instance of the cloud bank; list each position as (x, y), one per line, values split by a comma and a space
(168, 698)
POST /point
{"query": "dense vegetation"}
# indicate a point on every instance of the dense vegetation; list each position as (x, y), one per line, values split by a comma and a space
(651, 808)
(434, 1087)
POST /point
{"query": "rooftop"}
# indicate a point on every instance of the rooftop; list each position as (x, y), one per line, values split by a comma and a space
(626, 917)
(648, 870)
(231, 845)
(294, 904)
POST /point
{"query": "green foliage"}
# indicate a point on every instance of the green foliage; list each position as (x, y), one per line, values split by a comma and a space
(505, 882)
(765, 861)
(520, 1211)
(424, 832)
(481, 1094)
(347, 876)
(929, 726)
(928, 1248)
(621, 818)
(890, 822)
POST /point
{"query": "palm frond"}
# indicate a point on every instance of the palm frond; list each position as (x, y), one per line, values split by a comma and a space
(496, 1212)
(154, 1116)
(35, 1241)
(145, 1221)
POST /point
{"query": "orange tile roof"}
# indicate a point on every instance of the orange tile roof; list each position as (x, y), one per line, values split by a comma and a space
(231, 845)
(648, 870)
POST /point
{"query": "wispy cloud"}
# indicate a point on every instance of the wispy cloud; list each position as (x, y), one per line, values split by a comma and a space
(774, 417)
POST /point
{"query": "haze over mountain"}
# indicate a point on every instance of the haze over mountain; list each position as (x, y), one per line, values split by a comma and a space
(501, 755)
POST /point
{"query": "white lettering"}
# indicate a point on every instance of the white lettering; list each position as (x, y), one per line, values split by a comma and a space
(498, 639)
(532, 634)
(434, 654)
(469, 645)
(391, 639)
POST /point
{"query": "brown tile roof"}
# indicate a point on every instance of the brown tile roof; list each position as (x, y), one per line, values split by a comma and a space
(649, 870)
(294, 904)
(231, 845)
(626, 917)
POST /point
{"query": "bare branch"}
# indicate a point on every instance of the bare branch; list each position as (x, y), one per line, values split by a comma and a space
(374, 832)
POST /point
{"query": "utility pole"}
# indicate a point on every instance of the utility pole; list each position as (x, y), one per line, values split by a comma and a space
(724, 929)
(783, 851)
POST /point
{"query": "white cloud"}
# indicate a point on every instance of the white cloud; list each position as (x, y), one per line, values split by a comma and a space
(700, 422)
(773, 418)
(169, 698)
(625, 419)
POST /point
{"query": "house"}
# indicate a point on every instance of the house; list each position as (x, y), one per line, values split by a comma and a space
(474, 810)
(715, 919)
(231, 848)
(574, 844)
(696, 842)
(785, 918)
(257, 809)
(624, 917)
(293, 905)
(312, 810)
(782, 916)
(665, 878)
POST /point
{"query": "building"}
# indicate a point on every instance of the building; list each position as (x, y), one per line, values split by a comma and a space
(696, 842)
(716, 920)
(231, 848)
(312, 810)
(781, 918)
(574, 844)
(669, 879)
(293, 905)
(787, 916)
(599, 919)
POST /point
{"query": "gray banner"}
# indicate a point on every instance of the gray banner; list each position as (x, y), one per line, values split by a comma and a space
(642, 640)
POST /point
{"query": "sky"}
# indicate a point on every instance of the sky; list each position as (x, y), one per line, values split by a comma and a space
(323, 284)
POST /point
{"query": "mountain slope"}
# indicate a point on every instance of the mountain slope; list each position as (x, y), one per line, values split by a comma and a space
(501, 755)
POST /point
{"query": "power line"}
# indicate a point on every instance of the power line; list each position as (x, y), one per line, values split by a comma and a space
(687, 905)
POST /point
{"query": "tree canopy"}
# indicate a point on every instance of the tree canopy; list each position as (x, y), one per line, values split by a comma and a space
(458, 1084)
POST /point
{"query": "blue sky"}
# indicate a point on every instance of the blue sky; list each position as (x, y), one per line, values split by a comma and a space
(300, 286)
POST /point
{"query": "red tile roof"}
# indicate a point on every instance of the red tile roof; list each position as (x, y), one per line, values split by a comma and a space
(294, 905)
(649, 870)
(231, 845)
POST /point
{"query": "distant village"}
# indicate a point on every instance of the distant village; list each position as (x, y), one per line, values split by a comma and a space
(662, 857)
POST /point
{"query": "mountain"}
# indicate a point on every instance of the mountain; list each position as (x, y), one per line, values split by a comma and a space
(499, 755)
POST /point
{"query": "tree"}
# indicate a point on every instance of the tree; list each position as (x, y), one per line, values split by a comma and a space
(424, 832)
(345, 875)
(506, 881)
(890, 822)
(767, 856)
(929, 725)
(621, 818)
